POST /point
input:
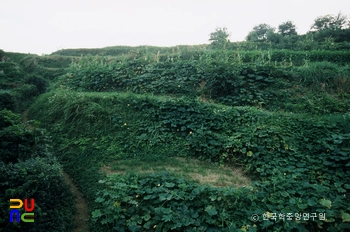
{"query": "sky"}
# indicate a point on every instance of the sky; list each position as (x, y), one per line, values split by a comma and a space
(44, 26)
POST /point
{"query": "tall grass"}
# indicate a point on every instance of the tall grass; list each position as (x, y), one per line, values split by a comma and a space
(324, 76)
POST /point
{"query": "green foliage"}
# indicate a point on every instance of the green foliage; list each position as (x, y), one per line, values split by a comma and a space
(25, 95)
(54, 61)
(163, 202)
(166, 202)
(287, 29)
(185, 51)
(236, 84)
(298, 58)
(41, 179)
(219, 38)
(260, 33)
(47, 67)
(29, 170)
(138, 76)
(280, 114)
(23, 78)
(2, 53)
(11, 75)
(7, 100)
(40, 83)
(329, 22)
(320, 74)
(279, 150)
(223, 77)
(16, 57)
(16, 141)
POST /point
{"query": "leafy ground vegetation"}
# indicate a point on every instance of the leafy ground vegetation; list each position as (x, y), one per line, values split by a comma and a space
(300, 162)
(28, 165)
(30, 170)
(139, 129)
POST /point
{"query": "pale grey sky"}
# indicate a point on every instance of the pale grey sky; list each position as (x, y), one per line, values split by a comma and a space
(45, 26)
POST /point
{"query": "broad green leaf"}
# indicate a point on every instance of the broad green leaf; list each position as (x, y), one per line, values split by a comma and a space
(165, 196)
(311, 202)
(169, 185)
(284, 194)
(211, 210)
(96, 213)
(345, 217)
(167, 217)
(326, 203)
(146, 217)
(99, 200)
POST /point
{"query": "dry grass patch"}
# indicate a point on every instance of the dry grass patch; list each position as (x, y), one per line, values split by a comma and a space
(191, 169)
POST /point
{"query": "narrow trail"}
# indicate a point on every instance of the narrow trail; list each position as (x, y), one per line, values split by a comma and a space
(81, 216)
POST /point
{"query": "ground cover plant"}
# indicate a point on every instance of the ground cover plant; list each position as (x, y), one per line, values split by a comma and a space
(23, 77)
(315, 87)
(138, 128)
(28, 169)
(300, 163)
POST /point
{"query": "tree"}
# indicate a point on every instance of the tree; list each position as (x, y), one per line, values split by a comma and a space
(287, 29)
(219, 38)
(329, 22)
(260, 33)
(330, 28)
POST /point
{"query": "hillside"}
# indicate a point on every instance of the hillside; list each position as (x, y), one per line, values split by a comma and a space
(273, 123)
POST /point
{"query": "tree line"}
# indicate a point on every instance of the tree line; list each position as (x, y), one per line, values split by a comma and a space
(328, 29)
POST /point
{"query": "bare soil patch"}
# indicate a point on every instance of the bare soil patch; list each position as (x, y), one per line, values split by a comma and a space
(81, 216)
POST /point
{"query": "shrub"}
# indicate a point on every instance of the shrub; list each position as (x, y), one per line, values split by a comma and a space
(7, 100)
(29, 170)
(25, 94)
(39, 82)
(11, 75)
(41, 179)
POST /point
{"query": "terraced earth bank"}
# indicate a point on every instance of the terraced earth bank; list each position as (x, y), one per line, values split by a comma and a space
(188, 139)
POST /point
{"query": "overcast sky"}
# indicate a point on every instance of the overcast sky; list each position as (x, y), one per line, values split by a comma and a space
(45, 26)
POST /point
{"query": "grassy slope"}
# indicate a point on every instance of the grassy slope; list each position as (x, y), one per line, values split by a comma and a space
(96, 129)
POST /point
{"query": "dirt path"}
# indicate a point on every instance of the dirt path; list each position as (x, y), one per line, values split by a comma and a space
(81, 216)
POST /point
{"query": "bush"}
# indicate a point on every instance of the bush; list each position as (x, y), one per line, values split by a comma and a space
(25, 94)
(7, 100)
(11, 75)
(29, 170)
(39, 82)
(41, 179)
